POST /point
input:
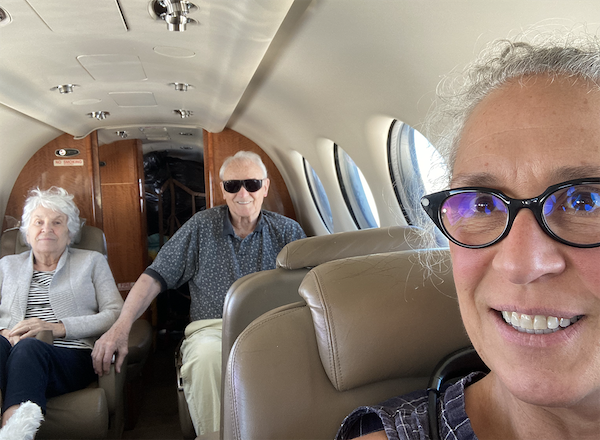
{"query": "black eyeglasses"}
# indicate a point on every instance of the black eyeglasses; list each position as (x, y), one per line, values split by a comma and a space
(475, 217)
(251, 185)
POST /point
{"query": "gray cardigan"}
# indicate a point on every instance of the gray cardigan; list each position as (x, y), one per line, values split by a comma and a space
(83, 293)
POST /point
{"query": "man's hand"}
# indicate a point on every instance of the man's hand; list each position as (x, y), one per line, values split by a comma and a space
(115, 340)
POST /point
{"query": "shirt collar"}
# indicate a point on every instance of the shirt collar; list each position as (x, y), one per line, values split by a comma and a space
(228, 227)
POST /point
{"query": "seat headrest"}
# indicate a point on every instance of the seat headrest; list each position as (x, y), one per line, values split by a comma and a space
(381, 316)
(89, 237)
(312, 251)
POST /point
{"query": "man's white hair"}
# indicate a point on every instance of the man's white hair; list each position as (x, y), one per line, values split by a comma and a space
(243, 156)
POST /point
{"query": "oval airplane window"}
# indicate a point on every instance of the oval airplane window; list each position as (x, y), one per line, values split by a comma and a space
(319, 196)
(416, 168)
(357, 194)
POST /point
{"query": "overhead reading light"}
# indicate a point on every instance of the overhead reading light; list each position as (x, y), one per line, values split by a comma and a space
(183, 113)
(99, 115)
(65, 88)
(122, 134)
(173, 12)
(181, 87)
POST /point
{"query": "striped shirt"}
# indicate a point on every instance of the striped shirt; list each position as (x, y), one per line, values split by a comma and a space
(38, 306)
(407, 417)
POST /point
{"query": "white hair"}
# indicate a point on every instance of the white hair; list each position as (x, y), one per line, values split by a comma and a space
(243, 156)
(57, 199)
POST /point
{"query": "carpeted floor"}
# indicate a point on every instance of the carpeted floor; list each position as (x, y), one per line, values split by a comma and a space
(158, 417)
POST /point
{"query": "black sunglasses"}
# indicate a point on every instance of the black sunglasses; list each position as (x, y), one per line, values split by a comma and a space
(475, 217)
(251, 185)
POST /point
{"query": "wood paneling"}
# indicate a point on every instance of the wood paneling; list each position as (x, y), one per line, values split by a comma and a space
(109, 197)
(78, 179)
(219, 146)
(124, 210)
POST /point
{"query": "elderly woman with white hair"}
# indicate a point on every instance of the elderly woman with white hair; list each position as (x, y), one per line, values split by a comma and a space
(70, 292)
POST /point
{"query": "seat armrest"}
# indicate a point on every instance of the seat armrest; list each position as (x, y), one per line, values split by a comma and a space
(140, 340)
(112, 384)
(45, 336)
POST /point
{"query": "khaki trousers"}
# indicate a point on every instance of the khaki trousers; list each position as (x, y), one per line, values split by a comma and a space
(201, 373)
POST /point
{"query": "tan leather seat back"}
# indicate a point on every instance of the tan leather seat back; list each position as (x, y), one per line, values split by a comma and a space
(371, 328)
(313, 251)
(257, 293)
(89, 237)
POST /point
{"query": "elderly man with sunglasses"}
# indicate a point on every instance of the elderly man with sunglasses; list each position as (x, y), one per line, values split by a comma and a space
(210, 251)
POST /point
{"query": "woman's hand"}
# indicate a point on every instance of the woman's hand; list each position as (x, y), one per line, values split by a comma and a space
(29, 328)
(6, 333)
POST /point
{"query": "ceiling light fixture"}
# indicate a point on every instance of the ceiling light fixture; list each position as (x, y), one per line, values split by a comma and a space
(122, 134)
(183, 113)
(99, 115)
(173, 12)
(65, 88)
(181, 87)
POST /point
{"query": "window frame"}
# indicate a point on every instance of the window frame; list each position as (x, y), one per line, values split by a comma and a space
(317, 199)
(353, 204)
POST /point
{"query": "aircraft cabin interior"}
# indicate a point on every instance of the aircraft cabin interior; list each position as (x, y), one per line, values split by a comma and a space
(132, 106)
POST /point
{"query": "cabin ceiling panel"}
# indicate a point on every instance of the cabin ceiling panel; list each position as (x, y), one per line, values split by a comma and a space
(72, 16)
(55, 42)
(352, 59)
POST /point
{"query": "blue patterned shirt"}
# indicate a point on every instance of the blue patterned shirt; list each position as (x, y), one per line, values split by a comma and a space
(206, 253)
(407, 417)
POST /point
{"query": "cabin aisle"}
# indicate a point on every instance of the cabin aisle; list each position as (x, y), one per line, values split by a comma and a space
(159, 418)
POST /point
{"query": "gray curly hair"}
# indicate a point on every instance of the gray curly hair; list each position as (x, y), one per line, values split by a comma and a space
(503, 61)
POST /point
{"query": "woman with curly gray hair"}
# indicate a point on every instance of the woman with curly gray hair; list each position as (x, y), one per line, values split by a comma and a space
(69, 292)
(522, 141)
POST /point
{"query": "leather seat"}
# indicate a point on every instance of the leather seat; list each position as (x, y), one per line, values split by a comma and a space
(368, 328)
(98, 410)
(257, 293)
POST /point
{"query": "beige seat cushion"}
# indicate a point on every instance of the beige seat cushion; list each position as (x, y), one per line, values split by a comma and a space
(372, 327)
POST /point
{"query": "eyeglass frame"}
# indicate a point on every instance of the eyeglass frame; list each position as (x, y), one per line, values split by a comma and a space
(432, 204)
(243, 184)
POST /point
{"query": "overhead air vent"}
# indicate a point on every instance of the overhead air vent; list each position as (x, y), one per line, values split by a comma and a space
(173, 12)
(65, 89)
(181, 87)
(99, 115)
(183, 113)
